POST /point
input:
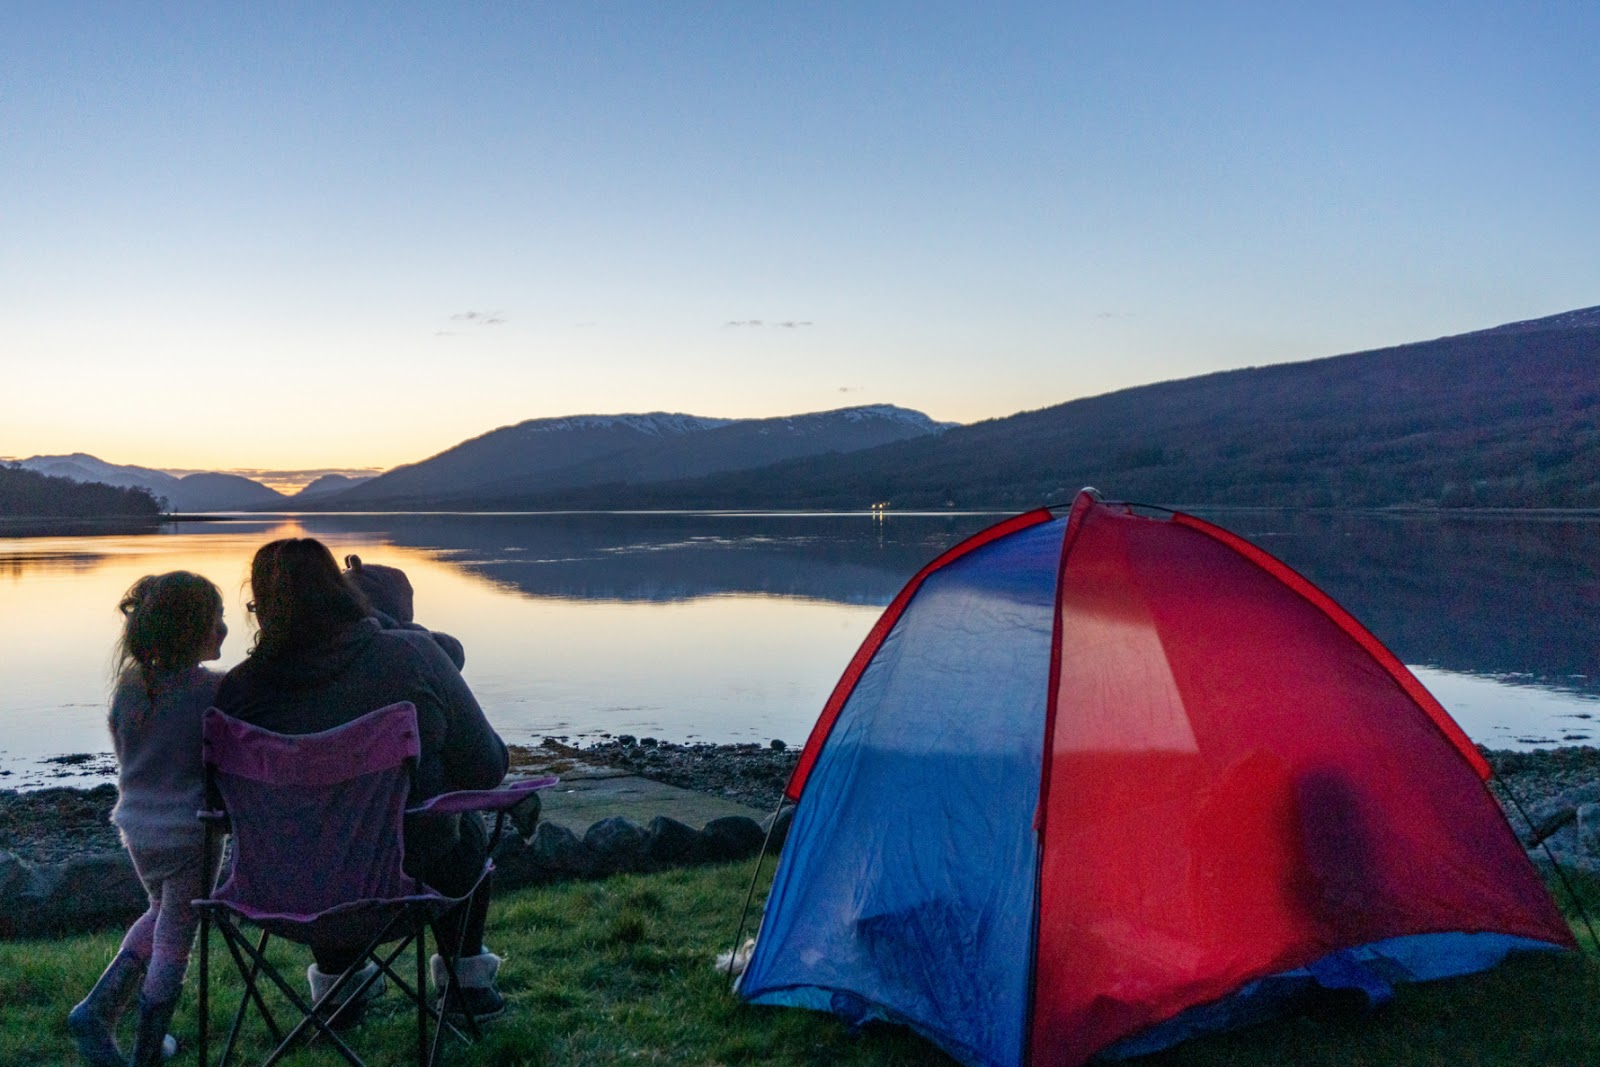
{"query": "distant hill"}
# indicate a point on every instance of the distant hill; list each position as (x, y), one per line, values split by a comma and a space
(29, 494)
(535, 457)
(193, 492)
(328, 483)
(1505, 417)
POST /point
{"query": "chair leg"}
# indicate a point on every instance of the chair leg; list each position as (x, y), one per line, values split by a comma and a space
(420, 935)
(443, 996)
(250, 975)
(205, 984)
(263, 968)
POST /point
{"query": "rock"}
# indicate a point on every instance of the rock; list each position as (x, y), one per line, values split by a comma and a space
(16, 904)
(670, 843)
(1549, 816)
(557, 852)
(778, 825)
(1588, 816)
(83, 892)
(14, 875)
(618, 844)
(516, 864)
(524, 815)
(733, 837)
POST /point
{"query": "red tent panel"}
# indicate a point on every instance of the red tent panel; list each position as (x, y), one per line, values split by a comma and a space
(1241, 781)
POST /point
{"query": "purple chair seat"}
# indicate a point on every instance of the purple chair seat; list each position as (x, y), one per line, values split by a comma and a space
(319, 848)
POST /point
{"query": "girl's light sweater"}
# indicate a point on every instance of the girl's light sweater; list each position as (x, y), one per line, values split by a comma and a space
(159, 774)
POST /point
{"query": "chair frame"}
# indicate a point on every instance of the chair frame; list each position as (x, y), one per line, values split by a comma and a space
(406, 928)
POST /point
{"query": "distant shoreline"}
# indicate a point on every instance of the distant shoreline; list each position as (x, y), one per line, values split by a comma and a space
(86, 526)
(59, 526)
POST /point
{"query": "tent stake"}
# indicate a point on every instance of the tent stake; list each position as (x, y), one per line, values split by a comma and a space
(755, 875)
(1561, 875)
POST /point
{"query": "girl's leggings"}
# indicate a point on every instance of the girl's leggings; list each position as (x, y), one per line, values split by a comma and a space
(163, 935)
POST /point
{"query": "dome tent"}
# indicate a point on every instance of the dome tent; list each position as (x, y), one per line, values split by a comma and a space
(1097, 783)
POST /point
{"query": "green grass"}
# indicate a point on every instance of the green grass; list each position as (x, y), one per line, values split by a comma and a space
(619, 972)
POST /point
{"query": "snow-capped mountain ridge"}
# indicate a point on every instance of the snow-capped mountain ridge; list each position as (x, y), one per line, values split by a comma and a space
(516, 463)
(655, 423)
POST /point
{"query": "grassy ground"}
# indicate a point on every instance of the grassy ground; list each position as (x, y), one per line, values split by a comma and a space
(618, 972)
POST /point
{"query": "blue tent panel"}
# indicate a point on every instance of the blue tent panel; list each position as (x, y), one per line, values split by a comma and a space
(873, 916)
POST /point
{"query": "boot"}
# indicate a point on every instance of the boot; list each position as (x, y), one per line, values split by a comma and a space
(93, 1022)
(476, 994)
(150, 1042)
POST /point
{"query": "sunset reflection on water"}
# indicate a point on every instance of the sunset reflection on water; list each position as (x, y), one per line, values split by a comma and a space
(729, 627)
(720, 668)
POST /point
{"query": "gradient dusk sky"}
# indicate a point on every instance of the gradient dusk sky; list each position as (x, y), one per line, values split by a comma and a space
(298, 235)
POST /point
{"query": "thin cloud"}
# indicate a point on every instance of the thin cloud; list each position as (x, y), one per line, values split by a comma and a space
(852, 388)
(307, 474)
(290, 482)
(1117, 315)
(480, 318)
(786, 324)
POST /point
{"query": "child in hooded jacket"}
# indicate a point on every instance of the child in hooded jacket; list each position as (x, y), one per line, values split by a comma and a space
(389, 595)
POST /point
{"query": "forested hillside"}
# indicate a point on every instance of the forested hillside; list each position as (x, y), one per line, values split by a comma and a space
(28, 494)
(1508, 417)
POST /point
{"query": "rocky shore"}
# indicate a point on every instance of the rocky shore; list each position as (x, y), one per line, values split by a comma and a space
(751, 774)
(49, 825)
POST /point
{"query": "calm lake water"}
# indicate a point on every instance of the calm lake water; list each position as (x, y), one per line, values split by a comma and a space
(734, 627)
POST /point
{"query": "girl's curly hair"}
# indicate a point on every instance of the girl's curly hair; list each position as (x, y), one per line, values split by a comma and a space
(167, 622)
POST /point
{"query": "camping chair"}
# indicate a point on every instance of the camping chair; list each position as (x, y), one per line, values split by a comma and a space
(317, 825)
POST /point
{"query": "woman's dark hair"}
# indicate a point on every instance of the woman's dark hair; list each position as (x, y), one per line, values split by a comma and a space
(300, 598)
(167, 622)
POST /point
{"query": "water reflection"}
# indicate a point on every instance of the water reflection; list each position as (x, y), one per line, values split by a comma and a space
(1493, 596)
(15, 567)
(664, 557)
(735, 627)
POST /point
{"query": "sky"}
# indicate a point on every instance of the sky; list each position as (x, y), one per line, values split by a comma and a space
(343, 236)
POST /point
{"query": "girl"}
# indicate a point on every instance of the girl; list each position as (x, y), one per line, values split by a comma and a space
(171, 624)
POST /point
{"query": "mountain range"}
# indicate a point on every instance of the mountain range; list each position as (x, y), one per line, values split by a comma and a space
(1503, 417)
(546, 455)
(205, 491)
(532, 457)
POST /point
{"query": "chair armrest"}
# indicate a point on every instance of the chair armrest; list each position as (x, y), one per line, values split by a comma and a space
(502, 799)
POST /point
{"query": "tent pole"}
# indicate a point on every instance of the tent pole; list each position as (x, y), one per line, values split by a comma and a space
(755, 875)
(1561, 875)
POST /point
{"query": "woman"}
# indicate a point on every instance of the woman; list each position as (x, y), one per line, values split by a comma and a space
(318, 662)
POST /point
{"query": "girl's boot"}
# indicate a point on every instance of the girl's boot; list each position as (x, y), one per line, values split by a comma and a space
(150, 1046)
(93, 1022)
